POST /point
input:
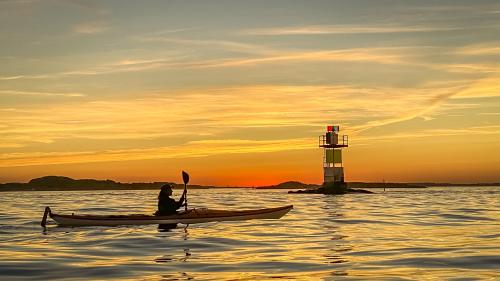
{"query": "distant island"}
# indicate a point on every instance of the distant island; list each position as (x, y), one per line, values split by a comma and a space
(60, 183)
(352, 185)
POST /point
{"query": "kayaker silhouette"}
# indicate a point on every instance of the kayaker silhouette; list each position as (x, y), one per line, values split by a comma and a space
(166, 205)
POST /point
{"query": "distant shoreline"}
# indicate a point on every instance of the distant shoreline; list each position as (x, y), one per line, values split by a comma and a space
(59, 183)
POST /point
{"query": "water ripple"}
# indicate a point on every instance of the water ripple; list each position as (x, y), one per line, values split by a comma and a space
(396, 235)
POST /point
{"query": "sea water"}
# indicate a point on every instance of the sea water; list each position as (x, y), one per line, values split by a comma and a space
(400, 234)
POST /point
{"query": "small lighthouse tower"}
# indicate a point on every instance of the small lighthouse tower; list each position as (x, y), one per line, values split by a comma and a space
(332, 144)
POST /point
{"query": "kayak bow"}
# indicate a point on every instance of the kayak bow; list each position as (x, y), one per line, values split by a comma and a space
(185, 217)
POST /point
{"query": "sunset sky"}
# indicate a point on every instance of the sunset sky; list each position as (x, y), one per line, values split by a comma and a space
(237, 92)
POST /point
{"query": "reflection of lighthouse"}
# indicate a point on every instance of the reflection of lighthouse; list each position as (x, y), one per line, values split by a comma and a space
(333, 170)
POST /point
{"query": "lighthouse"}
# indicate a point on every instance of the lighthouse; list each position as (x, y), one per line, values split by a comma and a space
(333, 143)
(333, 169)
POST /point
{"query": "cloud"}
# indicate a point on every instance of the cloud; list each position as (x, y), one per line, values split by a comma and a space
(158, 33)
(474, 130)
(482, 88)
(376, 55)
(10, 145)
(342, 29)
(42, 94)
(133, 62)
(480, 49)
(489, 113)
(425, 107)
(91, 28)
(188, 150)
(257, 55)
(223, 109)
(15, 77)
(467, 68)
(431, 103)
(222, 113)
(265, 56)
(487, 87)
(121, 66)
(220, 44)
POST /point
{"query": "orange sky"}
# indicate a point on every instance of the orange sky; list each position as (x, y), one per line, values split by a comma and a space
(237, 93)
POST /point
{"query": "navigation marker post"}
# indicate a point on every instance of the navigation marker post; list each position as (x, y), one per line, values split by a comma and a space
(333, 169)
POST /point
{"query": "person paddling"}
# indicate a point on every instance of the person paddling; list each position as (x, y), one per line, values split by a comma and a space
(166, 205)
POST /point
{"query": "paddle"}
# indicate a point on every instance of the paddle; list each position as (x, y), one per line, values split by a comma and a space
(45, 214)
(185, 178)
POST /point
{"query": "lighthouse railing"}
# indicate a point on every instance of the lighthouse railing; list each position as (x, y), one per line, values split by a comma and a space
(322, 141)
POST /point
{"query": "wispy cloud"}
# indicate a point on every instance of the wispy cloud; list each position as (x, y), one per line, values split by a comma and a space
(214, 147)
(14, 77)
(256, 55)
(221, 44)
(43, 94)
(121, 66)
(222, 110)
(486, 87)
(265, 56)
(489, 113)
(443, 132)
(91, 28)
(468, 68)
(190, 149)
(425, 107)
(480, 49)
(376, 55)
(164, 32)
(261, 54)
(342, 29)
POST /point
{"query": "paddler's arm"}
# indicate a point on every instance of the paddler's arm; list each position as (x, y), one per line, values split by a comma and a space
(183, 198)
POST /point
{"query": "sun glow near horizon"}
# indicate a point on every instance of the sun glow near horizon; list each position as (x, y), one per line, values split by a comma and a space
(239, 98)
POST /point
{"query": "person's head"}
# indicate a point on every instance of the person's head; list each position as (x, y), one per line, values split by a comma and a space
(167, 189)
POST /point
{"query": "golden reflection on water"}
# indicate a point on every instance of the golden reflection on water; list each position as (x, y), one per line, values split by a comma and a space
(412, 234)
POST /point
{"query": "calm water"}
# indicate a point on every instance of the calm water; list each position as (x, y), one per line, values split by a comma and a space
(435, 233)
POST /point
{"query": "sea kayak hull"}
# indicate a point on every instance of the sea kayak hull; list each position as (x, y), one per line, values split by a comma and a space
(186, 217)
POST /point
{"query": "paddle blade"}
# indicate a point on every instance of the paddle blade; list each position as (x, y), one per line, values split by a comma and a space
(185, 177)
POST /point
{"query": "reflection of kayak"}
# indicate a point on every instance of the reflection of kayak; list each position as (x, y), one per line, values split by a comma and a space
(185, 217)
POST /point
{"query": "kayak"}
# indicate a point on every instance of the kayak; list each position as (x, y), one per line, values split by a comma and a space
(184, 217)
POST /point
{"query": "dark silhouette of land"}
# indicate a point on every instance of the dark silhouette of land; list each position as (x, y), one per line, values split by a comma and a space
(351, 185)
(59, 183)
